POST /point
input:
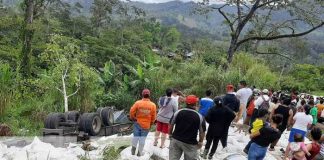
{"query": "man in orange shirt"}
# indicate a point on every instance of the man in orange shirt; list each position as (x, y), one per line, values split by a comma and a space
(320, 108)
(143, 112)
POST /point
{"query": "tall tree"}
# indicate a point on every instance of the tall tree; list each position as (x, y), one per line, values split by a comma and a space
(262, 20)
(100, 12)
(33, 9)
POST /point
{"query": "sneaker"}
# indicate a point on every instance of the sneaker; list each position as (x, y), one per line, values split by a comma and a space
(139, 154)
(204, 154)
(155, 143)
(210, 156)
(225, 150)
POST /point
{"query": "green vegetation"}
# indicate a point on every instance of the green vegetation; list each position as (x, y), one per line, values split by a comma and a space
(79, 62)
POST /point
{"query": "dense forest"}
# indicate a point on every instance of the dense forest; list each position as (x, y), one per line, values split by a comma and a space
(79, 55)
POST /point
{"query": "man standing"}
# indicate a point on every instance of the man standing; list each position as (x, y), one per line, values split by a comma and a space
(143, 112)
(185, 125)
(243, 95)
(230, 100)
(178, 96)
(206, 103)
(263, 102)
(167, 107)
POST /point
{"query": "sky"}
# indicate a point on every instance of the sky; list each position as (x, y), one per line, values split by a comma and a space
(163, 1)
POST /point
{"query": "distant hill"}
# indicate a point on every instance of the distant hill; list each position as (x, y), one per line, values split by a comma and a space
(180, 14)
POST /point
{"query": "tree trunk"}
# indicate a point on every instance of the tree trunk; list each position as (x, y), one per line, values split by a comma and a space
(66, 105)
(231, 50)
(28, 33)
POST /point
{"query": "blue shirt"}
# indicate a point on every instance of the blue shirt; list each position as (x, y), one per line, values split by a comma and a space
(205, 105)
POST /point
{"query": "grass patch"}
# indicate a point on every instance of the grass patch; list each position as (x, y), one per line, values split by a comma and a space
(318, 93)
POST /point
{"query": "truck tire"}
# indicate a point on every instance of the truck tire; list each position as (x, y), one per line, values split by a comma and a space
(53, 120)
(93, 124)
(106, 115)
(48, 121)
(82, 122)
(90, 123)
(73, 116)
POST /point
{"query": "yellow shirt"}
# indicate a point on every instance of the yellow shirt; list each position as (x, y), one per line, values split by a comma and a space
(256, 125)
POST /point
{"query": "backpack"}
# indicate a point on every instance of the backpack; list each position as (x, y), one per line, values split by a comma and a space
(265, 104)
(250, 108)
(164, 101)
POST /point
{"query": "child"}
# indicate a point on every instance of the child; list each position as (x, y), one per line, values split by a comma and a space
(313, 112)
(298, 148)
(259, 122)
(315, 147)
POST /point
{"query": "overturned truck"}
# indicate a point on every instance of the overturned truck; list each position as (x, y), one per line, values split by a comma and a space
(73, 126)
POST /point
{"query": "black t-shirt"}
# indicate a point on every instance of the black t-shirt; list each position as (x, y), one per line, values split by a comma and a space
(267, 136)
(284, 111)
(187, 124)
(219, 119)
(230, 101)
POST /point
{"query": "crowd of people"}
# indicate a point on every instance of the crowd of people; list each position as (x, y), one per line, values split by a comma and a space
(266, 114)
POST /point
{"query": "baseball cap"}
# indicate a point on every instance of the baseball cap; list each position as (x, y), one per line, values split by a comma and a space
(265, 91)
(146, 92)
(256, 92)
(191, 99)
(218, 100)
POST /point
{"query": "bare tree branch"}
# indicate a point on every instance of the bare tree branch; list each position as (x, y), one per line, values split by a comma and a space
(65, 72)
(225, 16)
(280, 36)
(74, 92)
(79, 79)
(59, 89)
(241, 25)
(274, 53)
(267, 3)
(239, 13)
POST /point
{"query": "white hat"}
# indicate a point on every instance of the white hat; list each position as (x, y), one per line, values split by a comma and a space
(265, 91)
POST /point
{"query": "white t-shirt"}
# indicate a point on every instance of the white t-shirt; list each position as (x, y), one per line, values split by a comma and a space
(273, 106)
(176, 99)
(302, 120)
(243, 95)
(259, 101)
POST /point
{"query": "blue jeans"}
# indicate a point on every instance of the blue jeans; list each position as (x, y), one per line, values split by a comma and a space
(257, 152)
(294, 131)
(140, 135)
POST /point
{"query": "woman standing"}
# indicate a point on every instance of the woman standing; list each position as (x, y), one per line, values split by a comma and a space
(301, 122)
(263, 138)
(287, 115)
(219, 119)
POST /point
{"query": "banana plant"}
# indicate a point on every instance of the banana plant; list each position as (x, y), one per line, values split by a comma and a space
(110, 76)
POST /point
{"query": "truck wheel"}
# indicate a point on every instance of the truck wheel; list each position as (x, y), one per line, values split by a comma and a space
(73, 116)
(93, 124)
(53, 120)
(82, 122)
(48, 121)
(106, 115)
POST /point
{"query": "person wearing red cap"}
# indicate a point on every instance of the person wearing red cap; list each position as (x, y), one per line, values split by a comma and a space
(185, 125)
(230, 100)
(143, 112)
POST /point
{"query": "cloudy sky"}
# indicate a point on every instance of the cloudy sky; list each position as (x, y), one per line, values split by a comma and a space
(162, 1)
